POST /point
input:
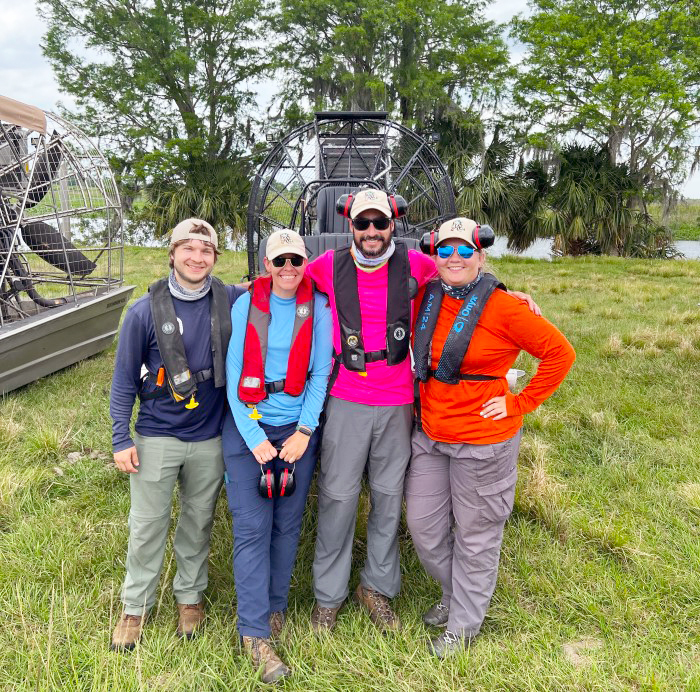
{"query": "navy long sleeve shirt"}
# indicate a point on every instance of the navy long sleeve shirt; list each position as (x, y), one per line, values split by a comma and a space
(138, 347)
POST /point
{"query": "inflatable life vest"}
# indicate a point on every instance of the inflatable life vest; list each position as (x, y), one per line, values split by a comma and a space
(251, 386)
(180, 382)
(401, 290)
(459, 337)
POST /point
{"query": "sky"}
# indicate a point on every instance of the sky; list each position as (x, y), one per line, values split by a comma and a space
(25, 74)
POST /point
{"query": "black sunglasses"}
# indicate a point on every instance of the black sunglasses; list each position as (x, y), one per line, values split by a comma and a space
(380, 224)
(295, 261)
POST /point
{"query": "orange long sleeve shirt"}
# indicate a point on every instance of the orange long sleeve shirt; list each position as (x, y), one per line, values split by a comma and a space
(451, 413)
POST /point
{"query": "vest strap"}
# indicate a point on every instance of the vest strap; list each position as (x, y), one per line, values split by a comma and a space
(181, 382)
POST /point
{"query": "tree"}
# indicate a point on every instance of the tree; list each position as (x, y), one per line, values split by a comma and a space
(415, 59)
(581, 199)
(624, 74)
(164, 82)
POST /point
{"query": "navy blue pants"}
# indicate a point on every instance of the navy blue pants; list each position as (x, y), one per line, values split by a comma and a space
(265, 531)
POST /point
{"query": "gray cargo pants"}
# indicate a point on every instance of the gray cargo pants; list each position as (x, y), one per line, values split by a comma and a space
(458, 497)
(199, 467)
(356, 435)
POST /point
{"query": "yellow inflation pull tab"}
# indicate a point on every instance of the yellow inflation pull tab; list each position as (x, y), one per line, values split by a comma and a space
(192, 403)
(254, 413)
(362, 374)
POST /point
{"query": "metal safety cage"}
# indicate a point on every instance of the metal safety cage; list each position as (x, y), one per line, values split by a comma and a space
(310, 168)
(61, 244)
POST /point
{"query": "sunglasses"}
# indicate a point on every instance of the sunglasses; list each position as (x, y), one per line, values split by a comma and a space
(464, 251)
(295, 261)
(380, 224)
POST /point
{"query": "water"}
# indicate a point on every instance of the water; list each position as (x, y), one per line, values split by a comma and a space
(542, 249)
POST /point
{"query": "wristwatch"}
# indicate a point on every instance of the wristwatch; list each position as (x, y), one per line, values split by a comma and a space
(305, 430)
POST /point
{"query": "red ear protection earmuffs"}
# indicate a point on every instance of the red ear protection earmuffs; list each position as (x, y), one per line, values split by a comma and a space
(482, 237)
(397, 204)
(271, 485)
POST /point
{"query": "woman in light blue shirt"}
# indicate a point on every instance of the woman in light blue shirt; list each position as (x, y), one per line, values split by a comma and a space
(277, 369)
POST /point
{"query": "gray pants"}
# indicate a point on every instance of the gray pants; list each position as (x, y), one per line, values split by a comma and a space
(199, 467)
(458, 497)
(356, 435)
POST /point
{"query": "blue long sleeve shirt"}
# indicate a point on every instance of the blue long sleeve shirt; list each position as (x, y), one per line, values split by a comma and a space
(280, 408)
(137, 347)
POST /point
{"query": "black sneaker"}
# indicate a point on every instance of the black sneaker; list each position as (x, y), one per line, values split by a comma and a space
(437, 615)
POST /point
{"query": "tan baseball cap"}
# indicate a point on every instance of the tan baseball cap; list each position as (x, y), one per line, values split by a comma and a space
(283, 241)
(460, 228)
(183, 231)
(370, 199)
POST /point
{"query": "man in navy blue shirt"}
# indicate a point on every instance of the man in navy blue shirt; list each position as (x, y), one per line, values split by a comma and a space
(171, 354)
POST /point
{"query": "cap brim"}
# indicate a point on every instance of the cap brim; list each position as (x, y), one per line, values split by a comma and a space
(286, 251)
(358, 209)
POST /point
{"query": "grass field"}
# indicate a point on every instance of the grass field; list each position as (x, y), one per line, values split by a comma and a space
(599, 586)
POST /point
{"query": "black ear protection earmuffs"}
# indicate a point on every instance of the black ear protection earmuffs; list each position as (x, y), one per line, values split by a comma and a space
(397, 204)
(482, 237)
(282, 485)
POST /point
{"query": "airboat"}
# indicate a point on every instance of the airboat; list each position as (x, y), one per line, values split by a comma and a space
(307, 170)
(61, 246)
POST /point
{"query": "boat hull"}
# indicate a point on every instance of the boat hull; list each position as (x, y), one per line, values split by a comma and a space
(54, 339)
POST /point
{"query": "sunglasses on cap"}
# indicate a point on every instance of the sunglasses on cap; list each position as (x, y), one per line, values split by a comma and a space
(295, 261)
(464, 251)
(381, 224)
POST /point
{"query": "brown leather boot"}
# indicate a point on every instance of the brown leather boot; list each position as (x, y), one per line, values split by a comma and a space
(265, 659)
(323, 619)
(378, 608)
(277, 620)
(191, 619)
(127, 632)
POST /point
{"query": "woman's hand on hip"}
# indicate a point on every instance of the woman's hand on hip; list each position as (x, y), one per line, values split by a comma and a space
(494, 408)
(264, 452)
(294, 447)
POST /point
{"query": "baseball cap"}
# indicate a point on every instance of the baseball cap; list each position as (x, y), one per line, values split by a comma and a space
(370, 199)
(183, 231)
(460, 228)
(283, 241)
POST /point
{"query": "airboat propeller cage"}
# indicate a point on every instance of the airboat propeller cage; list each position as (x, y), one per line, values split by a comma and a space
(308, 169)
(397, 204)
(482, 237)
(61, 246)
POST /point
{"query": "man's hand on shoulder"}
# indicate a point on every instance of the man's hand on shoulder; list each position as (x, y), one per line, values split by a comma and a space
(127, 460)
(527, 298)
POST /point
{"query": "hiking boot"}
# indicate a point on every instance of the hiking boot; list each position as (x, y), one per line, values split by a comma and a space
(191, 619)
(265, 659)
(437, 615)
(127, 632)
(323, 619)
(449, 643)
(277, 620)
(378, 608)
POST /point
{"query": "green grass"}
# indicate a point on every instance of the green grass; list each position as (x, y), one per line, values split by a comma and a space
(684, 220)
(599, 585)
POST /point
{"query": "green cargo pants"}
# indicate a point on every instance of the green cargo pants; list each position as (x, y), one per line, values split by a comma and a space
(199, 468)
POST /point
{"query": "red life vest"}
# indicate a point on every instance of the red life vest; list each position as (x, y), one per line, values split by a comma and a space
(251, 386)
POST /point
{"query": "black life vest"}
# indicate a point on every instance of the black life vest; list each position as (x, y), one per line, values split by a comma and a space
(459, 337)
(181, 382)
(252, 388)
(401, 290)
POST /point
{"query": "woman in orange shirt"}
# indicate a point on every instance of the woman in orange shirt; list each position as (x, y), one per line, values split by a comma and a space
(461, 482)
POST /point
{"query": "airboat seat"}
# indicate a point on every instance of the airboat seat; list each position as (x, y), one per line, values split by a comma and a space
(327, 219)
(318, 244)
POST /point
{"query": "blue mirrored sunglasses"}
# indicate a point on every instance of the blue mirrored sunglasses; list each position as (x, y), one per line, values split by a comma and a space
(463, 251)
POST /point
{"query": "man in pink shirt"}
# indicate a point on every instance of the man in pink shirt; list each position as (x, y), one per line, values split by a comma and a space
(371, 286)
